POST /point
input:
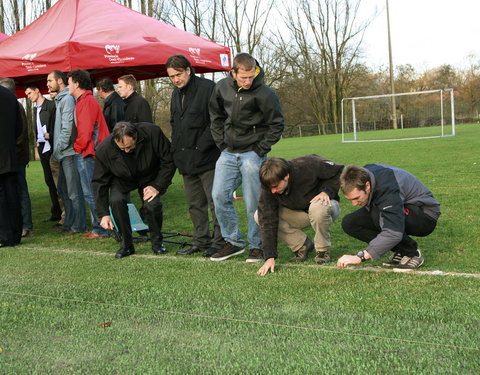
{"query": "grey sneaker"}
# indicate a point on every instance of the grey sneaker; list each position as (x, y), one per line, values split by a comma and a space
(394, 260)
(322, 257)
(302, 253)
(408, 264)
(227, 251)
(256, 255)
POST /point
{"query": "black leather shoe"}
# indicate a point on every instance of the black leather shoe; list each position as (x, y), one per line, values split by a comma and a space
(125, 252)
(51, 218)
(210, 252)
(192, 250)
(159, 249)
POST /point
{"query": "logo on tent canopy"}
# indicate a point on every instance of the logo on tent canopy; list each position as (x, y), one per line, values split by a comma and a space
(194, 51)
(29, 64)
(29, 56)
(112, 54)
(112, 49)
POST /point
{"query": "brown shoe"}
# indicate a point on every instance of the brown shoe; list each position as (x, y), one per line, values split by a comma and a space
(302, 254)
(92, 236)
(27, 233)
(322, 257)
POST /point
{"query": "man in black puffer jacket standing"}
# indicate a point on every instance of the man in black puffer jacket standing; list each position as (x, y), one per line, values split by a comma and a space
(247, 121)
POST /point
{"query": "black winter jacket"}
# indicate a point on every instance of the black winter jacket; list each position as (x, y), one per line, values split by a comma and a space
(245, 120)
(113, 110)
(154, 165)
(310, 175)
(10, 128)
(47, 118)
(194, 150)
(137, 109)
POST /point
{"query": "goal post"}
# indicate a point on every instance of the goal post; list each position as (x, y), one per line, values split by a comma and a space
(420, 114)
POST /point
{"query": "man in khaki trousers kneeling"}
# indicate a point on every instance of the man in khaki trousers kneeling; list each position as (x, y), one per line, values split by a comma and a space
(295, 194)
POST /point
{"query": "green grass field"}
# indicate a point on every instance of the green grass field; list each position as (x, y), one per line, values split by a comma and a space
(69, 307)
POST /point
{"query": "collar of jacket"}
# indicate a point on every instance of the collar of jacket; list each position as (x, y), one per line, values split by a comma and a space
(291, 180)
(109, 99)
(62, 94)
(84, 95)
(372, 188)
(190, 84)
(131, 97)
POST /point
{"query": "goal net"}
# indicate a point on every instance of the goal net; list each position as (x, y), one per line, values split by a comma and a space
(412, 115)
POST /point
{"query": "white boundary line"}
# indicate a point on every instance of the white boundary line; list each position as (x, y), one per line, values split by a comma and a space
(319, 267)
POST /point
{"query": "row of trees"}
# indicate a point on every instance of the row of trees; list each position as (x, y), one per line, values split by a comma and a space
(311, 51)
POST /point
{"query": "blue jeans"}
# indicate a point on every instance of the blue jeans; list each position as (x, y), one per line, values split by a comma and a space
(231, 171)
(70, 189)
(85, 168)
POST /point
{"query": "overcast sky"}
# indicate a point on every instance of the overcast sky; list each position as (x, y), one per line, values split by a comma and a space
(425, 33)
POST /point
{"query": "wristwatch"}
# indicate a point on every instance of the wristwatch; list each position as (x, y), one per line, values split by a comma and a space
(361, 255)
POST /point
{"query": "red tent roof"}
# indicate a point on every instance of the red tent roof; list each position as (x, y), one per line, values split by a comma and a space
(3, 36)
(104, 38)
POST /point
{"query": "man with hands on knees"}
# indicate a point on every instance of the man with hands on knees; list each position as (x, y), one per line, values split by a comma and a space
(394, 205)
(134, 156)
(296, 194)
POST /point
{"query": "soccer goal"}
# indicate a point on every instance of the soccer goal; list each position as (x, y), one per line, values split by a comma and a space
(417, 115)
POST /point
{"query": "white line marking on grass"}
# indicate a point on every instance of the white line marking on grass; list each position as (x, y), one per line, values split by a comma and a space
(211, 318)
(202, 259)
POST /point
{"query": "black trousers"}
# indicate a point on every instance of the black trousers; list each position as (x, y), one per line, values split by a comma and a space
(10, 212)
(199, 197)
(365, 226)
(56, 211)
(153, 212)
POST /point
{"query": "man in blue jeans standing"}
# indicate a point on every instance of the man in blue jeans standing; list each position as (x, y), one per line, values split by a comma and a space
(69, 185)
(246, 121)
(91, 130)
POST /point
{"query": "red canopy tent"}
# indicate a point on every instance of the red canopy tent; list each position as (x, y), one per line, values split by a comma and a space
(3, 36)
(105, 38)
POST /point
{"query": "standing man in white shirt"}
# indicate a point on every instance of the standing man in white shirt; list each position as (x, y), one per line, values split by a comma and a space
(44, 123)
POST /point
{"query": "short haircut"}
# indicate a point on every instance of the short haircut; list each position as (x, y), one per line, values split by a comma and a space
(32, 86)
(273, 170)
(178, 62)
(8, 83)
(129, 79)
(353, 177)
(57, 74)
(82, 77)
(243, 61)
(124, 129)
(105, 84)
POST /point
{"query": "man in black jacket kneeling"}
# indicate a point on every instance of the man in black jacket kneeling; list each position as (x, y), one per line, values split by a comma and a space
(134, 156)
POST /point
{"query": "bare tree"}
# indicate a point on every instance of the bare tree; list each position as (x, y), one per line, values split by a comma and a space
(244, 22)
(323, 50)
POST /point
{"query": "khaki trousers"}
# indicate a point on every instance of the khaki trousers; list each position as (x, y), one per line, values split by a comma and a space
(319, 217)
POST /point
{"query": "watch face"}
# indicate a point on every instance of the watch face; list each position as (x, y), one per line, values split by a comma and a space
(360, 254)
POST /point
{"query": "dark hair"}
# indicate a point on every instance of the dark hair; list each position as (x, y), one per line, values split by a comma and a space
(129, 79)
(32, 86)
(179, 62)
(124, 129)
(82, 77)
(244, 61)
(105, 84)
(273, 170)
(353, 177)
(60, 75)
